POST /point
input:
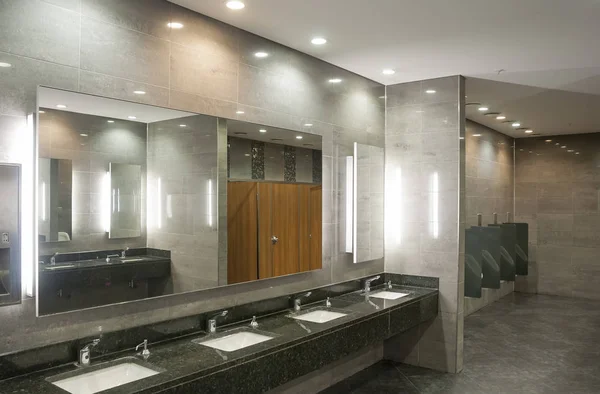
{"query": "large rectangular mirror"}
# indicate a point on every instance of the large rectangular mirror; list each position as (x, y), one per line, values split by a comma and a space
(55, 186)
(165, 202)
(10, 229)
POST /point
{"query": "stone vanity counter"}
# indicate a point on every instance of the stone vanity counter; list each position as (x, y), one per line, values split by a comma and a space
(298, 347)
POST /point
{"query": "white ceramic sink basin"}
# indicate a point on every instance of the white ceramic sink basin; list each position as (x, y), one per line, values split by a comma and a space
(105, 378)
(388, 295)
(237, 341)
(319, 316)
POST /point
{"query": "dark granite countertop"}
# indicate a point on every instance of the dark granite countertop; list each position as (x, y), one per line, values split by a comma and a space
(96, 263)
(182, 360)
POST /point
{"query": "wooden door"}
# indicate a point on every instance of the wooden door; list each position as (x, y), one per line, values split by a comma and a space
(316, 227)
(265, 231)
(304, 216)
(242, 232)
(285, 226)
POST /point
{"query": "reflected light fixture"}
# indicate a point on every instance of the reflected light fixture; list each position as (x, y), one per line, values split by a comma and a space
(261, 54)
(576, 153)
(42, 112)
(262, 130)
(61, 106)
(563, 147)
(132, 117)
(476, 135)
(182, 125)
(528, 131)
(516, 124)
(83, 134)
(175, 25)
(388, 71)
(335, 80)
(482, 109)
(308, 125)
(140, 92)
(349, 204)
(299, 137)
(548, 140)
(240, 112)
(318, 41)
(210, 203)
(501, 117)
(235, 5)
(430, 91)
(5, 65)
(571, 151)
(110, 121)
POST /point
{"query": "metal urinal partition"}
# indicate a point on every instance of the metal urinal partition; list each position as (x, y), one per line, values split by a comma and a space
(508, 250)
(473, 256)
(522, 260)
(490, 238)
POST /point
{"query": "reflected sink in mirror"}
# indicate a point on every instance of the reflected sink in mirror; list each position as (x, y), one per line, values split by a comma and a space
(388, 295)
(318, 316)
(233, 342)
(58, 267)
(132, 259)
(104, 378)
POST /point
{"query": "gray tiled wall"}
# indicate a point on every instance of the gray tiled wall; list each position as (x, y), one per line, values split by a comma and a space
(60, 138)
(489, 188)
(425, 168)
(557, 193)
(112, 47)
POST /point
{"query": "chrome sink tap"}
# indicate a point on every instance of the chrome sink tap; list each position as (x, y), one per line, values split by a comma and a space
(110, 256)
(367, 288)
(145, 352)
(298, 300)
(254, 323)
(53, 259)
(211, 324)
(84, 353)
(124, 252)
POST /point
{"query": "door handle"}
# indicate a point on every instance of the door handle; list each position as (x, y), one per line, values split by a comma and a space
(274, 239)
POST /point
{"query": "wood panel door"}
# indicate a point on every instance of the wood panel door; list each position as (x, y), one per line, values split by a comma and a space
(285, 226)
(316, 227)
(242, 232)
(304, 216)
(265, 231)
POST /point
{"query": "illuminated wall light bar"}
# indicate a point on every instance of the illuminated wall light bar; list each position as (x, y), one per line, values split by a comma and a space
(209, 203)
(44, 201)
(435, 201)
(118, 200)
(106, 202)
(29, 201)
(354, 203)
(159, 204)
(349, 204)
(169, 206)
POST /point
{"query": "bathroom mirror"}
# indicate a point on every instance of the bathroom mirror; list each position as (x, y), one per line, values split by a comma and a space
(368, 200)
(55, 210)
(166, 202)
(125, 200)
(10, 246)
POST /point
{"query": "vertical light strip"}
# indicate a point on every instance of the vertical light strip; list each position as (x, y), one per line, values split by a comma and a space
(355, 204)
(169, 206)
(210, 193)
(435, 196)
(29, 218)
(106, 205)
(44, 201)
(159, 204)
(118, 200)
(397, 203)
(349, 208)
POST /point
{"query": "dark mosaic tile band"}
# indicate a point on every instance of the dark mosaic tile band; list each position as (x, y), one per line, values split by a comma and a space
(289, 157)
(228, 157)
(317, 166)
(258, 160)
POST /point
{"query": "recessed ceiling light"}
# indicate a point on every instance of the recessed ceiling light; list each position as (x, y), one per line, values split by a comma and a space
(132, 117)
(430, 91)
(563, 147)
(175, 25)
(318, 41)
(516, 124)
(110, 121)
(382, 97)
(308, 125)
(182, 125)
(335, 80)
(483, 109)
(529, 131)
(548, 140)
(42, 112)
(388, 71)
(298, 137)
(83, 134)
(571, 150)
(140, 92)
(501, 117)
(235, 5)
(61, 106)
(476, 135)
(576, 153)
(261, 54)
(557, 144)
(5, 65)
(247, 154)
(262, 130)
(240, 112)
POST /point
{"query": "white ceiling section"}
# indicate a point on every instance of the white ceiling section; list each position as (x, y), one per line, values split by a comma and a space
(551, 44)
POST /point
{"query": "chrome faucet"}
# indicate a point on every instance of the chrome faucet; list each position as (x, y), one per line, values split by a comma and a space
(53, 259)
(124, 252)
(367, 287)
(211, 324)
(145, 352)
(110, 256)
(84, 352)
(254, 323)
(298, 300)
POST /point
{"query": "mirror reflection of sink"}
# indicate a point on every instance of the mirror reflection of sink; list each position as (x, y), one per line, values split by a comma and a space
(104, 378)
(58, 267)
(318, 316)
(233, 342)
(132, 259)
(388, 295)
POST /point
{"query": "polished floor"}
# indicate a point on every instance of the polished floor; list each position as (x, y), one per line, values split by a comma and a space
(529, 344)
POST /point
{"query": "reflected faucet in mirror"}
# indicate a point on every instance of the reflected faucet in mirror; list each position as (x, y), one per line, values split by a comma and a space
(124, 252)
(368, 282)
(298, 301)
(53, 259)
(211, 324)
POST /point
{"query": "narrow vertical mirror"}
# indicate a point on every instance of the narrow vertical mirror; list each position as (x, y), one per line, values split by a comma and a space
(55, 210)
(126, 200)
(10, 245)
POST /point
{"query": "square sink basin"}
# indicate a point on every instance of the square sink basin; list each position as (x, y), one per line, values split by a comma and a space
(237, 341)
(105, 378)
(319, 316)
(388, 295)
(59, 267)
